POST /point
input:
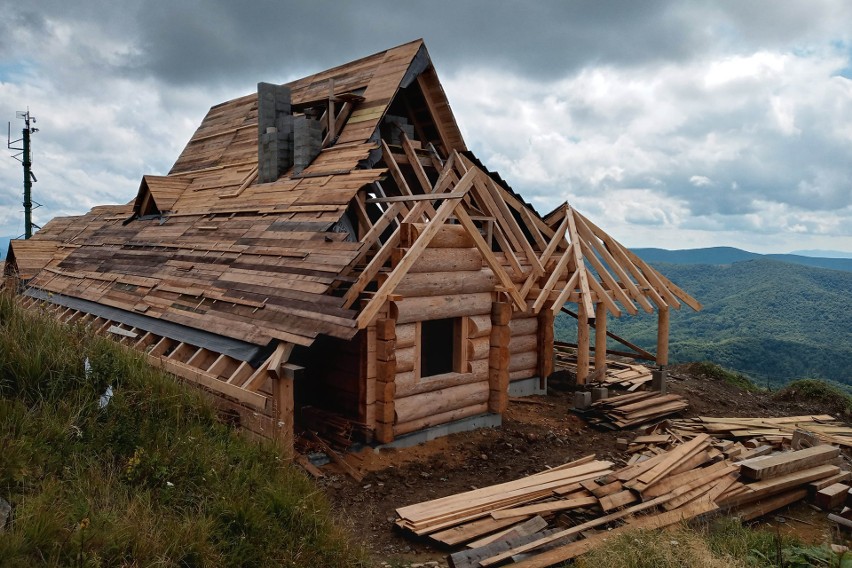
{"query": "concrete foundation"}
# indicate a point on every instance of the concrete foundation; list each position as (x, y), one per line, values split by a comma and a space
(528, 387)
(582, 400)
(658, 380)
(463, 425)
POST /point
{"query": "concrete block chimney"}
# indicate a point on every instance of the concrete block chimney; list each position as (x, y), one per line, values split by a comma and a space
(274, 132)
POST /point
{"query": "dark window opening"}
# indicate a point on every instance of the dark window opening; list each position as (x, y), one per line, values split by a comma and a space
(436, 347)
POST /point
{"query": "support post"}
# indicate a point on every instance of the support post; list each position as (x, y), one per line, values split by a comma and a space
(600, 340)
(385, 378)
(498, 357)
(283, 405)
(663, 336)
(545, 346)
(582, 344)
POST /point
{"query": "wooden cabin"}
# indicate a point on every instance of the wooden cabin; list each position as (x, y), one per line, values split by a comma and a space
(330, 245)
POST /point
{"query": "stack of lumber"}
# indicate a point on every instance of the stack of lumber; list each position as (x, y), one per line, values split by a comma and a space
(773, 431)
(630, 376)
(524, 520)
(625, 375)
(466, 516)
(767, 483)
(659, 439)
(633, 409)
(554, 516)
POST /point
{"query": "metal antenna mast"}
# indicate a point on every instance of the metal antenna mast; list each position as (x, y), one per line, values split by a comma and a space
(25, 157)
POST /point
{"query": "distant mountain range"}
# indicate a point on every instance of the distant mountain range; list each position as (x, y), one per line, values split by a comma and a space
(774, 321)
(730, 255)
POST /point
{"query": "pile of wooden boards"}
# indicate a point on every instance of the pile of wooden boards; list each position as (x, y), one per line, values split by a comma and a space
(767, 483)
(773, 431)
(524, 521)
(630, 376)
(633, 409)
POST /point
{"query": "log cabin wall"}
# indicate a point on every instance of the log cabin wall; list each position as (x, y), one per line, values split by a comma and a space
(446, 304)
(448, 285)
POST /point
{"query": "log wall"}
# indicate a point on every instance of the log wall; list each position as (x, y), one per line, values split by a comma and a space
(493, 345)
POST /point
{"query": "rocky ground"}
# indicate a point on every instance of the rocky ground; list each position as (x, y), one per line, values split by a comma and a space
(537, 433)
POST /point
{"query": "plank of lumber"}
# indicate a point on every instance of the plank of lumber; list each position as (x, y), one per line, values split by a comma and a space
(549, 507)
(763, 507)
(841, 477)
(594, 523)
(648, 522)
(767, 487)
(788, 461)
(523, 528)
(468, 531)
(470, 558)
(657, 472)
(616, 500)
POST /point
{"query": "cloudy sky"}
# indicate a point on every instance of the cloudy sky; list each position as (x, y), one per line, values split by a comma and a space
(672, 124)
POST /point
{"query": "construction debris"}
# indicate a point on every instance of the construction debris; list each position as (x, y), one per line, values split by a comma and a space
(556, 515)
(630, 376)
(774, 431)
(633, 409)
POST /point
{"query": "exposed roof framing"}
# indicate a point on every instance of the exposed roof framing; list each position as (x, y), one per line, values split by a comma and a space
(318, 251)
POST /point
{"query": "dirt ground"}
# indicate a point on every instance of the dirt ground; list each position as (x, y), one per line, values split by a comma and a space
(536, 433)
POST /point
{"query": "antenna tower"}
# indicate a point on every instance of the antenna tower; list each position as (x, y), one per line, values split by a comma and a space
(25, 156)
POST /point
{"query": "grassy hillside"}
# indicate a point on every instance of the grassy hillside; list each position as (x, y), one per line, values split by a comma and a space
(150, 479)
(774, 321)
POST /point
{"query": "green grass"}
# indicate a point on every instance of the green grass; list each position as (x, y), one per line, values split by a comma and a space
(835, 399)
(723, 543)
(152, 479)
(708, 370)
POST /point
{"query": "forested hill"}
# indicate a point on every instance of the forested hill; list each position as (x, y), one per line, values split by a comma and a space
(728, 255)
(772, 320)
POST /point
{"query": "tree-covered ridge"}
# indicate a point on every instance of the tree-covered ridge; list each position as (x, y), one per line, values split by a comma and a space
(729, 255)
(774, 321)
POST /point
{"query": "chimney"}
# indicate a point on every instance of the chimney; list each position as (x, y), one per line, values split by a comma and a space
(274, 132)
(307, 141)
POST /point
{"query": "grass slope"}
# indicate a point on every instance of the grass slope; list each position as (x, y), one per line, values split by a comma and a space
(151, 479)
(774, 321)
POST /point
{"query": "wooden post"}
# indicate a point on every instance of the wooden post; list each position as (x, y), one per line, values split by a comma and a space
(582, 344)
(283, 405)
(663, 336)
(600, 340)
(545, 346)
(498, 357)
(385, 378)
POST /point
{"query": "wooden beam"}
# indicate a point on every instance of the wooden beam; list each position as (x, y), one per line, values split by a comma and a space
(607, 278)
(616, 267)
(580, 267)
(663, 336)
(554, 278)
(570, 286)
(633, 346)
(489, 257)
(432, 228)
(418, 197)
(419, 172)
(582, 345)
(600, 339)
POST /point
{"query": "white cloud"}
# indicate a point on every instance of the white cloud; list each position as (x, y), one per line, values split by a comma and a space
(672, 124)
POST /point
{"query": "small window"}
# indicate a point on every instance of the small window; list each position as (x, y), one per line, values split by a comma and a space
(437, 347)
(442, 347)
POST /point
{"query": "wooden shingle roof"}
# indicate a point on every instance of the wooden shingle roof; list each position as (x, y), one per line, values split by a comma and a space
(247, 260)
